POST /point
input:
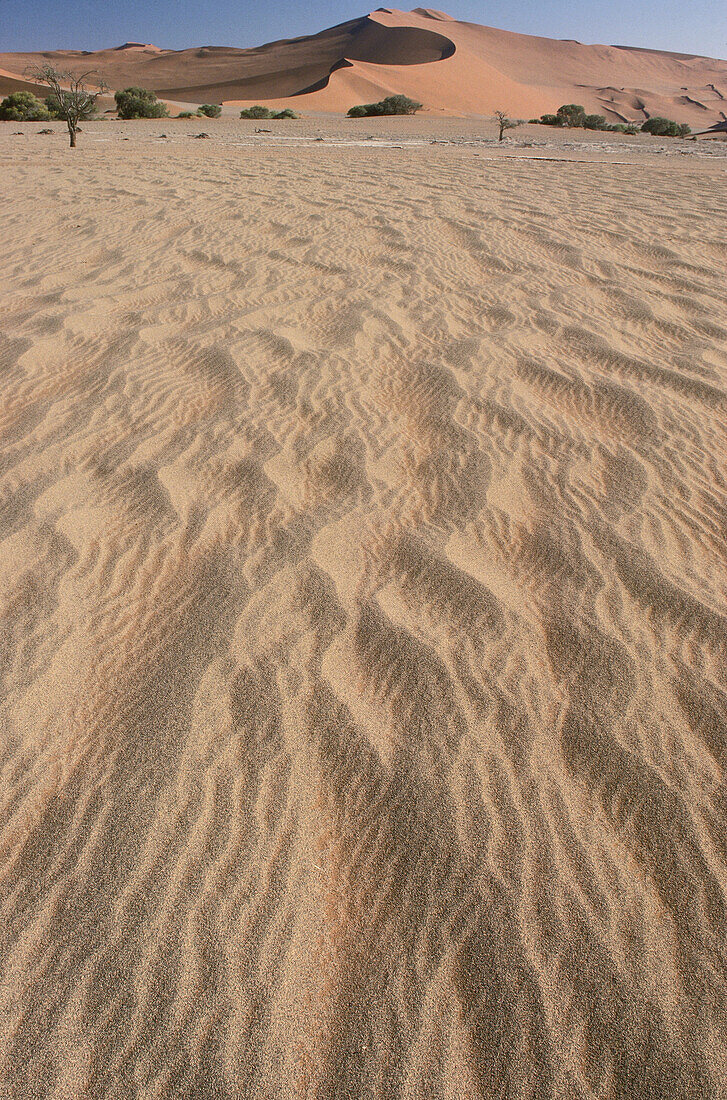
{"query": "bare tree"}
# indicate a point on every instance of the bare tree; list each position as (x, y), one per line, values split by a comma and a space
(70, 96)
(504, 123)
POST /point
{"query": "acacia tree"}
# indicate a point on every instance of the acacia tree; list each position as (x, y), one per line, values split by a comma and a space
(504, 123)
(70, 98)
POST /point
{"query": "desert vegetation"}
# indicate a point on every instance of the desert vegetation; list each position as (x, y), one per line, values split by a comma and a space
(260, 112)
(71, 98)
(665, 127)
(504, 123)
(391, 105)
(573, 116)
(23, 107)
(139, 103)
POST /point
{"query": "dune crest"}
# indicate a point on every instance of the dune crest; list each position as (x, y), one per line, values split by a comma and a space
(458, 68)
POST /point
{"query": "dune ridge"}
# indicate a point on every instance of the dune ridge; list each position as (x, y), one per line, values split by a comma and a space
(362, 585)
(452, 67)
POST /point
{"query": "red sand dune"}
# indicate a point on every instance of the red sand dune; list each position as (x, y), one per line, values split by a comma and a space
(451, 66)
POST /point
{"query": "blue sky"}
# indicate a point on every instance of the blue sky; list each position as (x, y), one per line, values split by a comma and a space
(690, 26)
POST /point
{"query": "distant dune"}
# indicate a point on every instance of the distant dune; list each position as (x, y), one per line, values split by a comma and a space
(452, 67)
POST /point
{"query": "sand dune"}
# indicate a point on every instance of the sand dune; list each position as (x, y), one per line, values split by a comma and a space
(363, 596)
(452, 67)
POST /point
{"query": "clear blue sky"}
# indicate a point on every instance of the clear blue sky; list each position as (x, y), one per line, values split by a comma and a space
(690, 26)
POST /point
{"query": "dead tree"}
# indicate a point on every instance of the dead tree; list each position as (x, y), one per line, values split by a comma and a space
(70, 98)
(504, 123)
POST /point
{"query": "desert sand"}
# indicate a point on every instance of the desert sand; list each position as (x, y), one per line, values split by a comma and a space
(362, 598)
(451, 67)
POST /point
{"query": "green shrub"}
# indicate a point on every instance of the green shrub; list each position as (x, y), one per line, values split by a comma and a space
(572, 114)
(595, 122)
(265, 112)
(139, 103)
(391, 105)
(23, 107)
(188, 114)
(256, 112)
(665, 127)
(550, 120)
(211, 110)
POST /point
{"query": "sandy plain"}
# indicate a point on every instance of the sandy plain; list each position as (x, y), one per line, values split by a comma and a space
(362, 567)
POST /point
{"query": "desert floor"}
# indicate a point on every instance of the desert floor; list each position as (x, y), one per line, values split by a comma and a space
(363, 509)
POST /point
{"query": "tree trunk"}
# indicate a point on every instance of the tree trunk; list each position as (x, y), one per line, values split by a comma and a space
(73, 137)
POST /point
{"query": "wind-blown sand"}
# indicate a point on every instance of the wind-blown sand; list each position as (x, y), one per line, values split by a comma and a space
(362, 573)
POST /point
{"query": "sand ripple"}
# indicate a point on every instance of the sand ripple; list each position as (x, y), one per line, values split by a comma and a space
(362, 583)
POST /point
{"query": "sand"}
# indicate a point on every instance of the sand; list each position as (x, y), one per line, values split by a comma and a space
(451, 67)
(362, 590)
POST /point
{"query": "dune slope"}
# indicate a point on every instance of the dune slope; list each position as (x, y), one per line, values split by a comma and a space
(450, 66)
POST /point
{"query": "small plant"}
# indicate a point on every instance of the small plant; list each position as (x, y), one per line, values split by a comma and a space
(503, 123)
(550, 120)
(665, 127)
(391, 105)
(595, 122)
(24, 107)
(139, 103)
(287, 113)
(211, 110)
(188, 114)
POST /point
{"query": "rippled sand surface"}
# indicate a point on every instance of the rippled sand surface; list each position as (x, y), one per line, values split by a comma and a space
(362, 591)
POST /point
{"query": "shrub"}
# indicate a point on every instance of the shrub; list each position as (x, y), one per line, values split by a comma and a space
(391, 105)
(625, 128)
(572, 114)
(550, 120)
(139, 103)
(188, 114)
(256, 112)
(23, 107)
(265, 112)
(595, 122)
(665, 127)
(211, 110)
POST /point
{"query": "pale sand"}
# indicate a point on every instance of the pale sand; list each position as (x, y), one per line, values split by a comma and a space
(362, 560)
